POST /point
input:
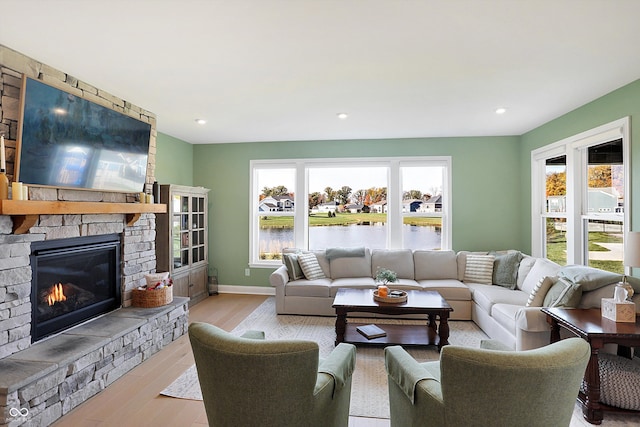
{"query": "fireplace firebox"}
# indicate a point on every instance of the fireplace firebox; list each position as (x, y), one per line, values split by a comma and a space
(73, 280)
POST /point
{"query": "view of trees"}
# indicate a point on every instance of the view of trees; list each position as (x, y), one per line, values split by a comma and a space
(600, 176)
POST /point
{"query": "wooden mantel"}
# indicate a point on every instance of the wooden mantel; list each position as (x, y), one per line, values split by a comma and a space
(25, 213)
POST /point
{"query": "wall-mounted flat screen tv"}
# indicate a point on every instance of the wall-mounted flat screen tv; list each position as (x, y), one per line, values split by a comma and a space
(69, 142)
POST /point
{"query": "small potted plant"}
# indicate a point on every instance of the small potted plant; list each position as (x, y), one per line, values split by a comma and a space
(384, 276)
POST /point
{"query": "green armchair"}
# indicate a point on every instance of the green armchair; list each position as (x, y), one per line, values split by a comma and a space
(249, 381)
(487, 386)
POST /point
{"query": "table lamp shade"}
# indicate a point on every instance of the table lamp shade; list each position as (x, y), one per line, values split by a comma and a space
(632, 249)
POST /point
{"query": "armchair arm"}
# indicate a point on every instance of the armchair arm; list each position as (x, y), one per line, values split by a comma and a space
(279, 277)
(254, 335)
(339, 365)
(405, 371)
(494, 345)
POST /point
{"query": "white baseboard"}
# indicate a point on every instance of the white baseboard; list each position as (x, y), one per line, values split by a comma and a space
(250, 290)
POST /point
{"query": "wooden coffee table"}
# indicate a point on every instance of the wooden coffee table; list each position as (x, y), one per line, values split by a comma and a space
(597, 331)
(430, 303)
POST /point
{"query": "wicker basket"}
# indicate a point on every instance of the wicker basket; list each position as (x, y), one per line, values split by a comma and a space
(154, 298)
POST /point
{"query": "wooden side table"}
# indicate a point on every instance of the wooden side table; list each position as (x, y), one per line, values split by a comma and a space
(597, 331)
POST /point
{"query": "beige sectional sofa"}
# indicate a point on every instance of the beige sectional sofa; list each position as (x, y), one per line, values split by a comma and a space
(499, 309)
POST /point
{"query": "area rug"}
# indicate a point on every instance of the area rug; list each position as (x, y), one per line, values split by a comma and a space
(369, 393)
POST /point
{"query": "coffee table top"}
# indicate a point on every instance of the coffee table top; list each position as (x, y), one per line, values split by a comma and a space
(363, 298)
(589, 322)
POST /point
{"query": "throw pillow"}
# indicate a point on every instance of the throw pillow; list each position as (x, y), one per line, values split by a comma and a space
(563, 294)
(505, 269)
(154, 278)
(293, 266)
(536, 298)
(479, 269)
(310, 266)
(590, 278)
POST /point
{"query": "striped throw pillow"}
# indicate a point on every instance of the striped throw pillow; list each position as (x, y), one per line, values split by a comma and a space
(539, 291)
(310, 266)
(479, 269)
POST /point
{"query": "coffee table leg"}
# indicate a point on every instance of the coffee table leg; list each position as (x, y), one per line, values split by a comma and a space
(432, 329)
(341, 326)
(443, 331)
(591, 409)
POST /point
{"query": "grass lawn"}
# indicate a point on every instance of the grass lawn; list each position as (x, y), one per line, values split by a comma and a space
(343, 219)
(557, 246)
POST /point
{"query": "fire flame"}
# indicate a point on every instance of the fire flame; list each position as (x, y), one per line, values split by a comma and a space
(56, 294)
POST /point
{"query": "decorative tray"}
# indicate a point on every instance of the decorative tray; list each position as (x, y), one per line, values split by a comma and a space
(394, 297)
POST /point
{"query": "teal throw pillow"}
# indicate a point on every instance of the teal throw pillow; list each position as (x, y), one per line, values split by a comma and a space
(505, 269)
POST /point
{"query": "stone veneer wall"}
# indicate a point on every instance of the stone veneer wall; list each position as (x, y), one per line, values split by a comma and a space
(48, 379)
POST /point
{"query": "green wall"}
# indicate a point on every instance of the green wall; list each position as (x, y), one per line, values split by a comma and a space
(174, 160)
(485, 179)
(613, 106)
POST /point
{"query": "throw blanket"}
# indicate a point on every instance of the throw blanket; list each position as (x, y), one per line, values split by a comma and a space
(332, 253)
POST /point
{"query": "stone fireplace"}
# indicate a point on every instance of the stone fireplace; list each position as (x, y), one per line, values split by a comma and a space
(48, 370)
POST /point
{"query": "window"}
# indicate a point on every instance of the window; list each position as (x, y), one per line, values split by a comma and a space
(376, 203)
(579, 193)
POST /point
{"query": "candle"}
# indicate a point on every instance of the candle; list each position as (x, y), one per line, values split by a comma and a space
(3, 162)
(16, 190)
(383, 291)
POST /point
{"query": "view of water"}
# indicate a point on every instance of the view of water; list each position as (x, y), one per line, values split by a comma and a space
(370, 236)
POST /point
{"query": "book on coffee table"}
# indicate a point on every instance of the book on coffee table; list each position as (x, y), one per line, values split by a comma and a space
(371, 331)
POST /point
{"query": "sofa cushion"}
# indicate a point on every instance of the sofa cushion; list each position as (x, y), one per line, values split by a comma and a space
(593, 299)
(486, 296)
(309, 288)
(353, 283)
(588, 277)
(479, 269)
(435, 265)
(536, 297)
(526, 264)
(542, 267)
(293, 266)
(450, 289)
(505, 269)
(351, 266)
(399, 261)
(310, 266)
(505, 315)
(563, 294)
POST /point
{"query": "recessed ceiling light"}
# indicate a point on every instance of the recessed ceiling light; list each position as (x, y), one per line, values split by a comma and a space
(201, 121)
(501, 110)
(343, 116)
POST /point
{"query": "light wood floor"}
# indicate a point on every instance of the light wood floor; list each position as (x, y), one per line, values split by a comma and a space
(135, 400)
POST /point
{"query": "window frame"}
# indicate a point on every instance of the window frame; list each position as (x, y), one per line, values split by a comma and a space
(575, 149)
(301, 219)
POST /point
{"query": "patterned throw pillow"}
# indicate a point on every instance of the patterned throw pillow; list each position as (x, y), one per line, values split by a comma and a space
(536, 298)
(310, 266)
(563, 294)
(479, 269)
(293, 266)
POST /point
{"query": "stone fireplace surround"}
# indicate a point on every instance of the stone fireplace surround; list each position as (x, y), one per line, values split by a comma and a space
(41, 382)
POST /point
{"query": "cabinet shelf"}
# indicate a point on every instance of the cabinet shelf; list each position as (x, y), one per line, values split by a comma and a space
(25, 213)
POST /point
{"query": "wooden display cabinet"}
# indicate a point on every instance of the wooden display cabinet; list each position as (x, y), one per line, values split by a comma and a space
(182, 239)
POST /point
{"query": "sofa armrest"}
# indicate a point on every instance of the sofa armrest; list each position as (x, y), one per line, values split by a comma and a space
(532, 319)
(279, 277)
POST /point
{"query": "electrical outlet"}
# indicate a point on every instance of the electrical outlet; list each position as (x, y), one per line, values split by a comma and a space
(247, 272)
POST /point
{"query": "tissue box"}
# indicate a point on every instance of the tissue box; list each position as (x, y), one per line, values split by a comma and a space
(618, 311)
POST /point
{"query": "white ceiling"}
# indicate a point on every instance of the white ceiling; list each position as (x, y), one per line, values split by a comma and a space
(277, 70)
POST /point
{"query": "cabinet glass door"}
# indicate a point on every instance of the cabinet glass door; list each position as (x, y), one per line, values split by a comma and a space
(180, 226)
